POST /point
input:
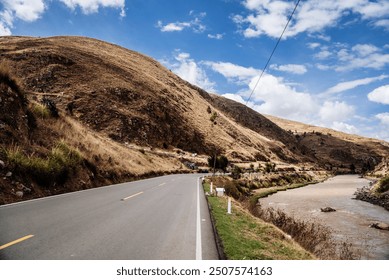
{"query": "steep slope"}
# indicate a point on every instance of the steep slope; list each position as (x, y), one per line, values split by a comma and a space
(132, 98)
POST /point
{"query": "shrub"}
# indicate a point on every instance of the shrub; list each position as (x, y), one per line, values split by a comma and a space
(236, 172)
(213, 117)
(41, 111)
(51, 106)
(270, 167)
(221, 162)
(383, 185)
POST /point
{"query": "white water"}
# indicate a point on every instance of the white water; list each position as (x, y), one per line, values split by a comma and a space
(351, 220)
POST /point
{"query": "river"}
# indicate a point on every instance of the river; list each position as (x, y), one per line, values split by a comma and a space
(351, 220)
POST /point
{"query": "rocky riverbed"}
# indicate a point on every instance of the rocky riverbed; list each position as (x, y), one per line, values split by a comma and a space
(366, 194)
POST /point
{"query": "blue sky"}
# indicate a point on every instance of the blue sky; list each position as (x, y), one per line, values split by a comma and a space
(331, 68)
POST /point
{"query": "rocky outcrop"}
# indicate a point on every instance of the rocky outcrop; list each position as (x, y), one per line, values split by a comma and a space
(327, 209)
(379, 225)
(365, 194)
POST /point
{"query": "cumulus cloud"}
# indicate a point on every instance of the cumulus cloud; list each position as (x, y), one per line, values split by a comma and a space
(384, 119)
(348, 58)
(195, 24)
(233, 72)
(275, 97)
(268, 17)
(217, 36)
(188, 69)
(92, 6)
(26, 10)
(32, 10)
(353, 84)
(380, 95)
(290, 68)
(336, 111)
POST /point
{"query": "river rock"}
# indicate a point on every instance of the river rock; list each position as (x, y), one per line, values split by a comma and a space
(2, 164)
(327, 209)
(8, 174)
(382, 226)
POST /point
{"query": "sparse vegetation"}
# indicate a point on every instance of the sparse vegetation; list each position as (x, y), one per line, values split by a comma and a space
(314, 237)
(220, 162)
(50, 105)
(40, 111)
(236, 172)
(213, 117)
(245, 237)
(383, 185)
(55, 167)
(270, 167)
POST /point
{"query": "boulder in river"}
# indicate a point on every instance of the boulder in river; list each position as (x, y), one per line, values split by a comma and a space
(327, 209)
(382, 226)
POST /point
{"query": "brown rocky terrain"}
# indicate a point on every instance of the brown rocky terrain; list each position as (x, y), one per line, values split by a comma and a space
(122, 116)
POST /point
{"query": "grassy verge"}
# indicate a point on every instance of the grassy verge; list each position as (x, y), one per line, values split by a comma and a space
(245, 237)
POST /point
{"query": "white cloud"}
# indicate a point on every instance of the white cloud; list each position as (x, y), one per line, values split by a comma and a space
(353, 57)
(365, 49)
(380, 95)
(344, 127)
(216, 36)
(268, 17)
(4, 30)
(290, 68)
(92, 6)
(275, 97)
(384, 118)
(233, 72)
(187, 68)
(353, 84)
(337, 111)
(26, 10)
(324, 54)
(384, 23)
(313, 45)
(234, 97)
(32, 10)
(195, 24)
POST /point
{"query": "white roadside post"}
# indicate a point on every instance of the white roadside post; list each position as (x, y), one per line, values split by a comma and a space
(211, 188)
(229, 206)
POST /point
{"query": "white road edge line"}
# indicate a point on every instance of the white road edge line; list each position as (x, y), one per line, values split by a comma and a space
(199, 254)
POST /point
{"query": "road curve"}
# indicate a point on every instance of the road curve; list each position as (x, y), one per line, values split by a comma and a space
(159, 218)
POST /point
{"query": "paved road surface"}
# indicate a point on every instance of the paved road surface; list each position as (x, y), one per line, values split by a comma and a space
(155, 218)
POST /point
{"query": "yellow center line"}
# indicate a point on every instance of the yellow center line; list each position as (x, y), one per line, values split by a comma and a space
(15, 242)
(128, 197)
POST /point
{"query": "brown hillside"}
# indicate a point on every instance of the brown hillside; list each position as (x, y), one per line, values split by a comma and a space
(131, 98)
(336, 148)
(122, 115)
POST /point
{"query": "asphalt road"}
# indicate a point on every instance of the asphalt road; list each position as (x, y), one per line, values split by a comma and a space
(159, 218)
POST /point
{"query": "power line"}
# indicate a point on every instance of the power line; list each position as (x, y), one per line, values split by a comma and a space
(274, 49)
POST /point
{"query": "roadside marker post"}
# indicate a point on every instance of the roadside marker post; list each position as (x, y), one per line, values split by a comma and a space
(211, 191)
(229, 206)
